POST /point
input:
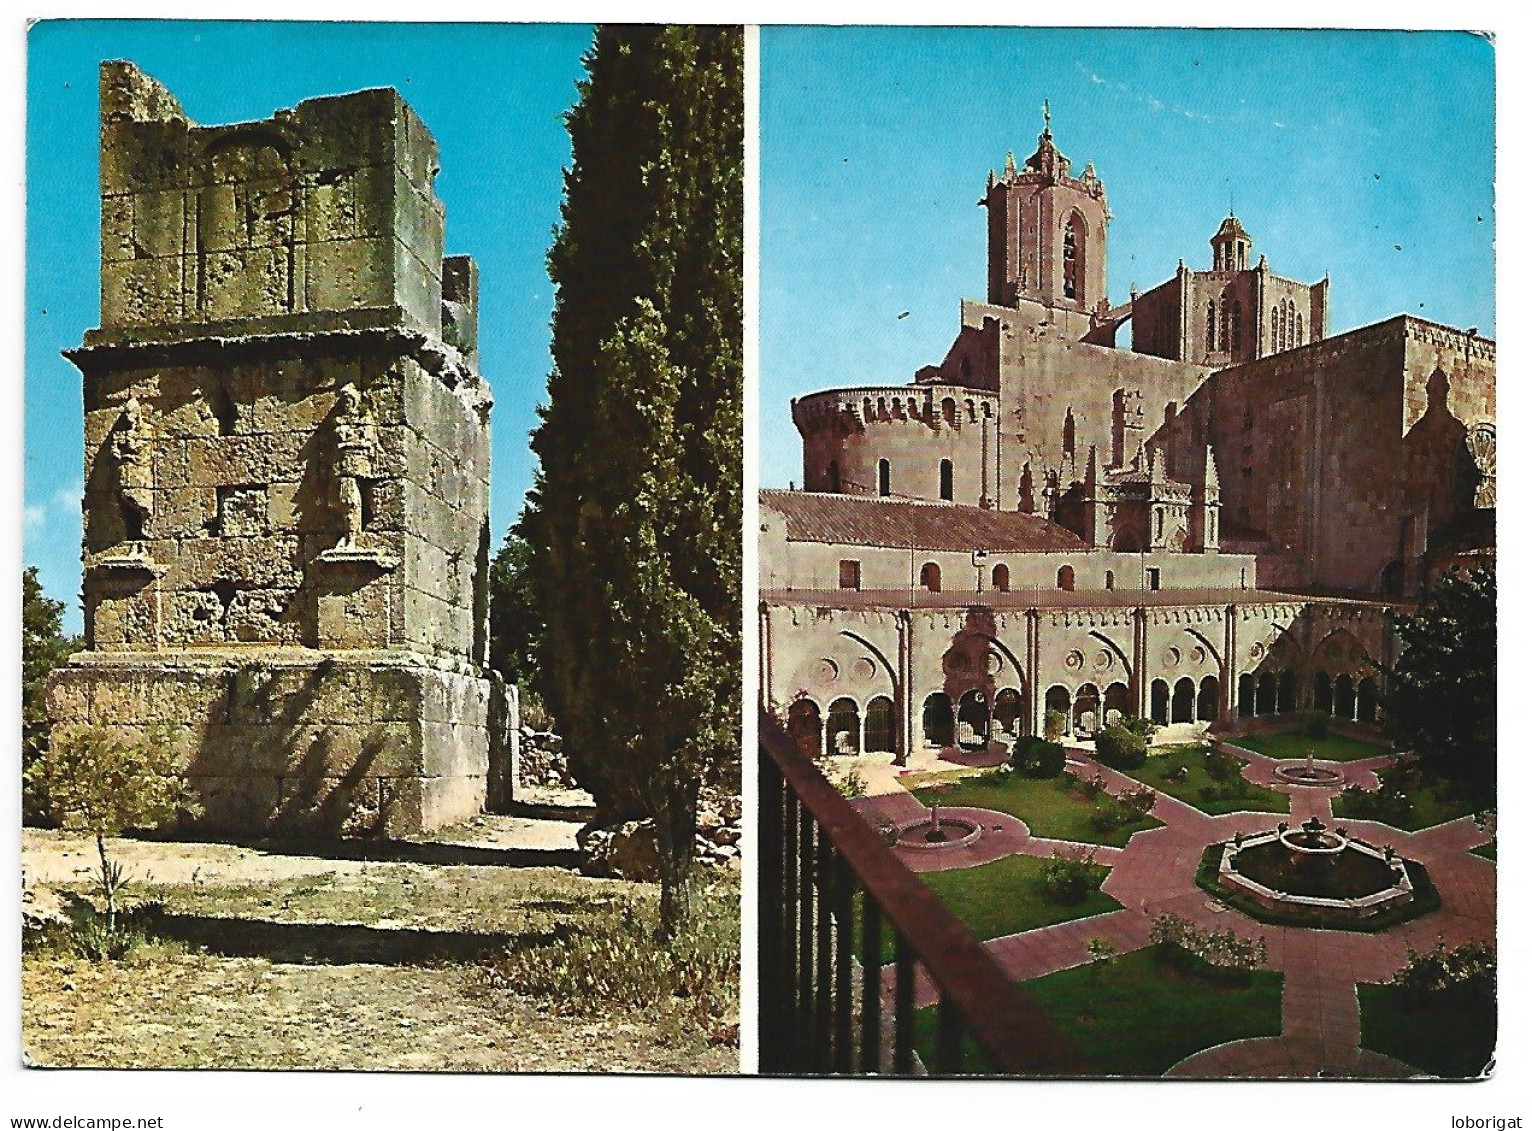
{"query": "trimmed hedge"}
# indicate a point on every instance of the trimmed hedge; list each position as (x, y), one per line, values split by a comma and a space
(1037, 757)
(1120, 748)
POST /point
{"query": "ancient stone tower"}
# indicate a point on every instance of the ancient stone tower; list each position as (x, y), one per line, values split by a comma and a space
(287, 467)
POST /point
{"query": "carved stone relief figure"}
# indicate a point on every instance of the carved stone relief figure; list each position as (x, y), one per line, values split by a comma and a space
(132, 448)
(356, 446)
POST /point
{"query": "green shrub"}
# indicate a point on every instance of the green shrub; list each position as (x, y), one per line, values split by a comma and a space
(1390, 802)
(1140, 726)
(1217, 955)
(1055, 724)
(1037, 757)
(1120, 748)
(104, 782)
(1316, 724)
(613, 959)
(1068, 879)
(1425, 974)
(1222, 767)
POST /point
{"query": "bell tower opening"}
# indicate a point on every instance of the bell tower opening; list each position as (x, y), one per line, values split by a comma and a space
(1047, 231)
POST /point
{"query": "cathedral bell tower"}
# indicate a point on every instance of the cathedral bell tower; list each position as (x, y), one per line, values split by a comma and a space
(1047, 231)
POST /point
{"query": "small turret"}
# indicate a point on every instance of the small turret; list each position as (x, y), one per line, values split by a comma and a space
(1231, 245)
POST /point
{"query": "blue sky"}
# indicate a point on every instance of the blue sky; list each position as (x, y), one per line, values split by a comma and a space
(1369, 155)
(492, 96)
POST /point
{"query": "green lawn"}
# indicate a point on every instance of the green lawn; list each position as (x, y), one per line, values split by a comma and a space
(1294, 744)
(1005, 897)
(1485, 850)
(1137, 1016)
(1049, 806)
(1431, 803)
(1164, 759)
(1453, 1037)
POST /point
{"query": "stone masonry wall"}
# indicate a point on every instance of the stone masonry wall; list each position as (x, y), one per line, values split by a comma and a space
(287, 468)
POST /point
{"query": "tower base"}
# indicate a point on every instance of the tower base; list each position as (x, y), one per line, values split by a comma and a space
(307, 742)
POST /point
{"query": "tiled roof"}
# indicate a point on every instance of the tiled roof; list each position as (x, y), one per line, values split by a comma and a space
(859, 521)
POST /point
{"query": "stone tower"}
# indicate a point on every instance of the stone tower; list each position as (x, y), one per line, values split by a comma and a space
(286, 543)
(1047, 232)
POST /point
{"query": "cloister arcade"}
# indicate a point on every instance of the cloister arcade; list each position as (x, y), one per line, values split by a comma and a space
(982, 692)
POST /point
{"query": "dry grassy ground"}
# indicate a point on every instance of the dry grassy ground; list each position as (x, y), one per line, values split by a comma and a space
(263, 959)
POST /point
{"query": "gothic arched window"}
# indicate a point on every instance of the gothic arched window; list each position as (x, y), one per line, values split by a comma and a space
(883, 484)
(1274, 340)
(1234, 334)
(1074, 258)
(946, 480)
(1213, 325)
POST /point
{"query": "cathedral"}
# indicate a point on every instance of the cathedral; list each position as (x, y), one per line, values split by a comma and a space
(1195, 506)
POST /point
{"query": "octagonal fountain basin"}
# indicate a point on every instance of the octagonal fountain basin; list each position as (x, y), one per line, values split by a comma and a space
(1315, 868)
(937, 830)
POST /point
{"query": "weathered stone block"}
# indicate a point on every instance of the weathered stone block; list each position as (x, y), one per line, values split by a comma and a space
(246, 282)
(139, 292)
(349, 274)
(117, 228)
(160, 223)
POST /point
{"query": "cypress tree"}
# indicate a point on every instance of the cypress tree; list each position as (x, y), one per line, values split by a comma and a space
(634, 519)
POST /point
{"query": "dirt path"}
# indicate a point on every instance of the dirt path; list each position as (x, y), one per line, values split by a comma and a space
(344, 956)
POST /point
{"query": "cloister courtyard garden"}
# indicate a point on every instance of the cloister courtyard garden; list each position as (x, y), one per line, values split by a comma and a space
(1287, 901)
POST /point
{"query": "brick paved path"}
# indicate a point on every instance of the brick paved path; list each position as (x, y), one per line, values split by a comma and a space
(1155, 874)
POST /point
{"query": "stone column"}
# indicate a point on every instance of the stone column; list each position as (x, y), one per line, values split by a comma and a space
(1138, 683)
(904, 692)
(1034, 699)
(1230, 662)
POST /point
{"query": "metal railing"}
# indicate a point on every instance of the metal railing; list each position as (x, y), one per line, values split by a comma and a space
(833, 899)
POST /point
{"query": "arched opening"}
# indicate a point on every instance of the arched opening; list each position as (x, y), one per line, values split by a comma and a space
(1008, 711)
(805, 727)
(1183, 701)
(931, 577)
(1391, 582)
(1000, 578)
(1066, 578)
(1074, 258)
(1117, 703)
(1345, 697)
(936, 719)
(973, 720)
(845, 727)
(834, 477)
(1159, 702)
(1246, 696)
(884, 487)
(1266, 694)
(1057, 702)
(1087, 716)
(949, 411)
(1287, 691)
(1367, 701)
(224, 410)
(1111, 580)
(879, 737)
(1322, 697)
(946, 480)
(1207, 699)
